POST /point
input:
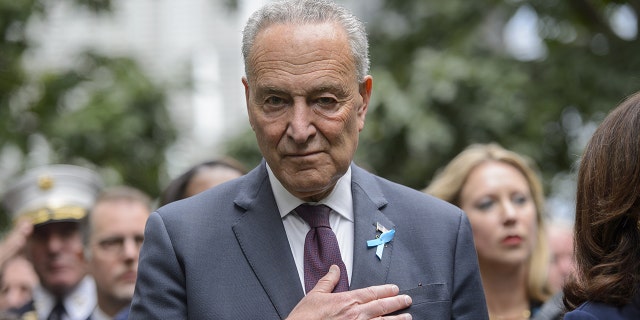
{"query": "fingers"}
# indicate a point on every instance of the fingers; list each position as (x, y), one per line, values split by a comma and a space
(373, 293)
(391, 304)
(388, 304)
(404, 316)
(373, 302)
(377, 301)
(15, 240)
(19, 234)
(329, 281)
(24, 227)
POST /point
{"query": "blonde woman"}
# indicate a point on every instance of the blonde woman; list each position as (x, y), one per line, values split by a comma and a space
(502, 195)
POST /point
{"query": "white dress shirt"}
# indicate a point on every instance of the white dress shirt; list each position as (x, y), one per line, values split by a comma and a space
(79, 304)
(341, 219)
(98, 314)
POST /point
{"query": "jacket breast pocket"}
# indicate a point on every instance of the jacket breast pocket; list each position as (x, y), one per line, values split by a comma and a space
(429, 301)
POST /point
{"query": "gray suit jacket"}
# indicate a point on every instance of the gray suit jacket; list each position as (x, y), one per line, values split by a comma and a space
(224, 254)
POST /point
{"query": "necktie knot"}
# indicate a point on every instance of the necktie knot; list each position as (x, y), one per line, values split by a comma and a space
(315, 216)
(58, 311)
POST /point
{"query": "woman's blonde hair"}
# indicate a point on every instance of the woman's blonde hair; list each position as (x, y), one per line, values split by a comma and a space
(448, 184)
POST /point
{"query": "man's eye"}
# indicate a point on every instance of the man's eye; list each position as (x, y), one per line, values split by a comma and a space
(274, 101)
(326, 104)
(326, 101)
(111, 243)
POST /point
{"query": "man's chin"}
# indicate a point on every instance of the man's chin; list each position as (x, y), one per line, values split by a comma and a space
(312, 194)
(124, 292)
(309, 183)
(61, 286)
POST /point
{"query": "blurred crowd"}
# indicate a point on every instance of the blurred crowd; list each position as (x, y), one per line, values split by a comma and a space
(73, 250)
(75, 243)
(74, 246)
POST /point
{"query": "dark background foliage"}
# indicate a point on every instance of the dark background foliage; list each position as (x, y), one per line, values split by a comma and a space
(104, 112)
(451, 84)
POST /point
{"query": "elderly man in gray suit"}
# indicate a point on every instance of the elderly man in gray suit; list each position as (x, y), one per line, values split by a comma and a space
(308, 234)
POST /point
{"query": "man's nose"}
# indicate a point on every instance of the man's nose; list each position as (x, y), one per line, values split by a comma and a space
(301, 126)
(55, 242)
(131, 249)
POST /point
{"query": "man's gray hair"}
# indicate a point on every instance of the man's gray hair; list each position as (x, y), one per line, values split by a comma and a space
(304, 12)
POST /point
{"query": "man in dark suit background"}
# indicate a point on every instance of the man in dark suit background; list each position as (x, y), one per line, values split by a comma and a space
(237, 251)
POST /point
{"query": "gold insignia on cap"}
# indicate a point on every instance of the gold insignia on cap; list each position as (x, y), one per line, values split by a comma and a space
(45, 182)
(63, 213)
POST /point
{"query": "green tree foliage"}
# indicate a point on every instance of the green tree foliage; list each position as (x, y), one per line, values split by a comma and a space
(443, 79)
(103, 112)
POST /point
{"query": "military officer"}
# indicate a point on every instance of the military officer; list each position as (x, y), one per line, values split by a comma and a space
(54, 199)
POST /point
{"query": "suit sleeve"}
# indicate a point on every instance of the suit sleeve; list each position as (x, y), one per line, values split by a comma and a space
(160, 287)
(468, 294)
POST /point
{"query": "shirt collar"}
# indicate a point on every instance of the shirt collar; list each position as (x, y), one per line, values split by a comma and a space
(79, 304)
(98, 314)
(339, 200)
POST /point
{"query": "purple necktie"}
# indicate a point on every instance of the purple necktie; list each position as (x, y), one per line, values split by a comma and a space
(321, 248)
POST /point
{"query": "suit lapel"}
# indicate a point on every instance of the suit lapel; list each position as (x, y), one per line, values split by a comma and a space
(264, 243)
(368, 201)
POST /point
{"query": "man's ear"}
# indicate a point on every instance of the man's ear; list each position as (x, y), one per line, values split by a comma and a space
(365, 89)
(245, 83)
(247, 96)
